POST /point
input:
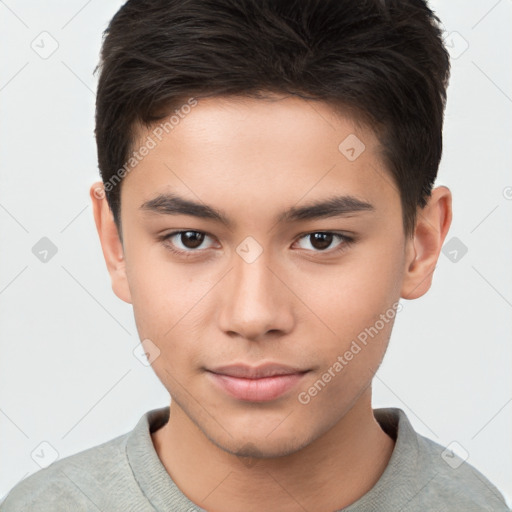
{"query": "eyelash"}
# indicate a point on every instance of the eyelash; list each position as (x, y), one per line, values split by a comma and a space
(346, 241)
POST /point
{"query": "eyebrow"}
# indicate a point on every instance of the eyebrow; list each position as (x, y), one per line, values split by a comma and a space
(336, 206)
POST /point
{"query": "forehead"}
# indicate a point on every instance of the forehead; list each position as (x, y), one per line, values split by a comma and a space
(248, 152)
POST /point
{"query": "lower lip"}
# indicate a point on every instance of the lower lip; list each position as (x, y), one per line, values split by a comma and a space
(257, 390)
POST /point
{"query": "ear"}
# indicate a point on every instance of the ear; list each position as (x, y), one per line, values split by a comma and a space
(432, 224)
(111, 245)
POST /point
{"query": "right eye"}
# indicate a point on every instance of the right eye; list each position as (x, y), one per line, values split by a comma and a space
(185, 242)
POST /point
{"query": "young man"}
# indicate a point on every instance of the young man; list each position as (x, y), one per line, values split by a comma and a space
(266, 200)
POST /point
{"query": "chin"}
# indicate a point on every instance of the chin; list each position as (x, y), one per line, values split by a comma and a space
(262, 446)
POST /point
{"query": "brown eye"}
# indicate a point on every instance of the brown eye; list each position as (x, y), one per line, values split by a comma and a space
(321, 241)
(191, 239)
(185, 242)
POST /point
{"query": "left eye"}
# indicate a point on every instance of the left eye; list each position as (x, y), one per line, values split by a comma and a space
(321, 240)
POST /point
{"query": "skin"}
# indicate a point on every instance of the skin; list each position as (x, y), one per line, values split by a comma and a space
(296, 304)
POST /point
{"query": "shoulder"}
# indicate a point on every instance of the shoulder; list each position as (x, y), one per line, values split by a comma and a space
(449, 479)
(424, 475)
(84, 481)
(440, 478)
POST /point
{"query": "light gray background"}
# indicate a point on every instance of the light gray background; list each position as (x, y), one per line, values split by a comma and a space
(68, 375)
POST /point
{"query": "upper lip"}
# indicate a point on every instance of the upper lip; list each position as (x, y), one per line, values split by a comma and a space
(256, 372)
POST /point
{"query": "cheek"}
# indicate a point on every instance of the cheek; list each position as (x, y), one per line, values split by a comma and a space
(354, 296)
(169, 309)
(163, 294)
(351, 357)
(358, 302)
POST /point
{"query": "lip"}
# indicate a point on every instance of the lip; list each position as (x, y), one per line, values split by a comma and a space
(245, 371)
(256, 383)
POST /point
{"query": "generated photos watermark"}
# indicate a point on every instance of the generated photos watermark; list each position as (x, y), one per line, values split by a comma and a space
(151, 141)
(305, 397)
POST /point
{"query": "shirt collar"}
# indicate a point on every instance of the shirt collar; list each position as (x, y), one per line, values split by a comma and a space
(395, 487)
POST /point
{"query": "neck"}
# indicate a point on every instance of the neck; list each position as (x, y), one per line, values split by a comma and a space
(329, 474)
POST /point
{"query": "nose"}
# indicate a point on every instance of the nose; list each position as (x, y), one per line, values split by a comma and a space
(255, 302)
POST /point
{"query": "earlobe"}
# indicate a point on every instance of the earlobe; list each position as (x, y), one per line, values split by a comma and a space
(432, 224)
(111, 245)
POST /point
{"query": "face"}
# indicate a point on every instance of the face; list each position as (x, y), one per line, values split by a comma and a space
(248, 285)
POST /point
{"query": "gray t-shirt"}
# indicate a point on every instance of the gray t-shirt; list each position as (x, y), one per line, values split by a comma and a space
(125, 474)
